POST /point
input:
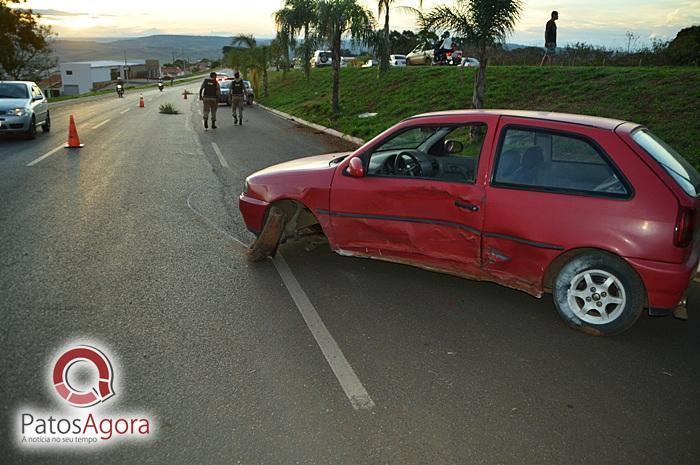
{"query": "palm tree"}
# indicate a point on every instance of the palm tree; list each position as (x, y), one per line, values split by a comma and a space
(299, 16)
(384, 6)
(250, 57)
(337, 18)
(481, 22)
(284, 20)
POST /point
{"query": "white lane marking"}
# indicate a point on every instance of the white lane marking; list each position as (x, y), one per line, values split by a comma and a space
(222, 160)
(102, 123)
(354, 390)
(46, 155)
(124, 111)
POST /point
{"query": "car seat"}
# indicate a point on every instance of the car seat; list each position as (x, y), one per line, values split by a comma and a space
(530, 163)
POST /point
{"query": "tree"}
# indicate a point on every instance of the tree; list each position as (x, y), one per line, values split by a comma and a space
(25, 46)
(684, 49)
(337, 18)
(245, 55)
(299, 16)
(284, 20)
(384, 6)
(481, 22)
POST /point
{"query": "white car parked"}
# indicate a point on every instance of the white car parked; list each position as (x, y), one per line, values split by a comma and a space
(470, 62)
(321, 58)
(397, 60)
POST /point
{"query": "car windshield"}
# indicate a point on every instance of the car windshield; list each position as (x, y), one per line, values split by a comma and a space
(225, 84)
(673, 162)
(13, 90)
(246, 84)
(410, 139)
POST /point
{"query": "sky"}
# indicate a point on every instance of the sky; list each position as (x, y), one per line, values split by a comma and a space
(598, 22)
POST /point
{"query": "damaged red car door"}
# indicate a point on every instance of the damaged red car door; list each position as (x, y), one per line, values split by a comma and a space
(420, 197)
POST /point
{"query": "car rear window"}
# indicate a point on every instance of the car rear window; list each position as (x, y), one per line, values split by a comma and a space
(13, 90)
(225, 84)
(685, 175)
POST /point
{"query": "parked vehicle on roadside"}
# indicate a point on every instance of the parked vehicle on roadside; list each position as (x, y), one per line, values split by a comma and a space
(225, 95)
(470, 62)
(421, 55)
(397, 60)
(23, 107)
(249, 93)
(321, 58)
(370, 64)
(599, 212)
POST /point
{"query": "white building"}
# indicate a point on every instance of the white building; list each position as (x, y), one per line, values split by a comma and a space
(81, 76)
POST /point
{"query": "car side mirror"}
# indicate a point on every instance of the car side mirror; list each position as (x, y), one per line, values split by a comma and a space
(453, 146)
(355, 168)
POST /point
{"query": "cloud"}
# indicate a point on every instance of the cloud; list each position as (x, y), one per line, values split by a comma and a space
(52, 12)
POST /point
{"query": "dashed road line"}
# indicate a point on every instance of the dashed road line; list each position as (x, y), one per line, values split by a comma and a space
(102, 123)
(124, 111)
(222, 160)
(351, 384)
(46, 155)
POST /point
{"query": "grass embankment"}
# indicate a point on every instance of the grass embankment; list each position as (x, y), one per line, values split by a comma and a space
(667, 100)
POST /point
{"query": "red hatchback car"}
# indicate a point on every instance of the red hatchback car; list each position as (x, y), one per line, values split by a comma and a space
(599, 212)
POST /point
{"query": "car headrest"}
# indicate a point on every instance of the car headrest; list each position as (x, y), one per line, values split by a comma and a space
(532, 157)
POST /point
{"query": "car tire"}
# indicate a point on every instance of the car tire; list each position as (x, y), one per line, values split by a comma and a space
(408, 61)
(46, 127)
(31, 131)
(599, 294)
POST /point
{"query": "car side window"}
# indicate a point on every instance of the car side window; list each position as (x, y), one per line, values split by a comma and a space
(555, 162)
(445, 153)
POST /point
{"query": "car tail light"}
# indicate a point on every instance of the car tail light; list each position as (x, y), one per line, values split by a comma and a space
(683, 234)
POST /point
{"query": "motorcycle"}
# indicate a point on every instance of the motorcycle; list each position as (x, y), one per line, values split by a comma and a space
(160, 86)
(447, 57)
(120, 90)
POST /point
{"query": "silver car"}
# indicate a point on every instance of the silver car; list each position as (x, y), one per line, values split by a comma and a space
(23, 107)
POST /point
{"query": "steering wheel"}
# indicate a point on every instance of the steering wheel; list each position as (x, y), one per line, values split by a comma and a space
(610, 184)
(407, 164)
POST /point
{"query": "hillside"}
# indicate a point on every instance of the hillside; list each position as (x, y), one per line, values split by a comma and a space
(665, 99)
(160, 47)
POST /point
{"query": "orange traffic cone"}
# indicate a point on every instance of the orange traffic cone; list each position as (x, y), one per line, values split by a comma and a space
(141, 104)
(73, 139)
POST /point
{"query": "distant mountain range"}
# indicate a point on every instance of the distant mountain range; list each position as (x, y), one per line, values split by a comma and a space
(159, 47)
(162, 47)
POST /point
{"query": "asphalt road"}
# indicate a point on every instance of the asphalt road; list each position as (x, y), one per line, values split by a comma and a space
(131, 242)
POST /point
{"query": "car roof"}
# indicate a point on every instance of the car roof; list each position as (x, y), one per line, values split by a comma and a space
(584, 120)
(17, 82)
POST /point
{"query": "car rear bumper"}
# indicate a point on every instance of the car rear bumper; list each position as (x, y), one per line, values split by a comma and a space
(253, 211)
(666, 283)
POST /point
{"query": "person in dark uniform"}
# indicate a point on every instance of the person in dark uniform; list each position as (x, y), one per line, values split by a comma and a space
(237, 98)
(550, 39)
(209, 95)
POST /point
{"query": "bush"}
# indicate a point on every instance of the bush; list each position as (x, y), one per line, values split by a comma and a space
(168, 109)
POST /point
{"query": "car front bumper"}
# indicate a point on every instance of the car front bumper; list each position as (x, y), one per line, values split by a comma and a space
(253, 211)
(14, 123)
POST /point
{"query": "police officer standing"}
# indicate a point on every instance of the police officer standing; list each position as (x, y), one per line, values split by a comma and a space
(209, 94)
(237, 98)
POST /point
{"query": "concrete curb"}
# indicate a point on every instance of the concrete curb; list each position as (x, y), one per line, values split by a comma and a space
(318, 127)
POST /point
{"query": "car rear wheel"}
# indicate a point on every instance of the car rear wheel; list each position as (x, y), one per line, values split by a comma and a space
(46, 127)
(31, 130)
(599, 294)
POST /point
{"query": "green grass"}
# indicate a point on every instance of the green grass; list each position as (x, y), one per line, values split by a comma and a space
(666, 99)
(168, 109)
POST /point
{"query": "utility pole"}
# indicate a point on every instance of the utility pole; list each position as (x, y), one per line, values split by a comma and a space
(126, 74)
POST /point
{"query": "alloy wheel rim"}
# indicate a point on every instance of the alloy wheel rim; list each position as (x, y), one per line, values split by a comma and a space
(596, 297)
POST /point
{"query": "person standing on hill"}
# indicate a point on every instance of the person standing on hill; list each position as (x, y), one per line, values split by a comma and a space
(209, 94)
(550, 39)
(237, 98)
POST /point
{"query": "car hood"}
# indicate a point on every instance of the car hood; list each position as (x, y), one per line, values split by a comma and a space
(293, 179)
(9, 103)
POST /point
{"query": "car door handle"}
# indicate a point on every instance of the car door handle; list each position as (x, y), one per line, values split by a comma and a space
(466, 206)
